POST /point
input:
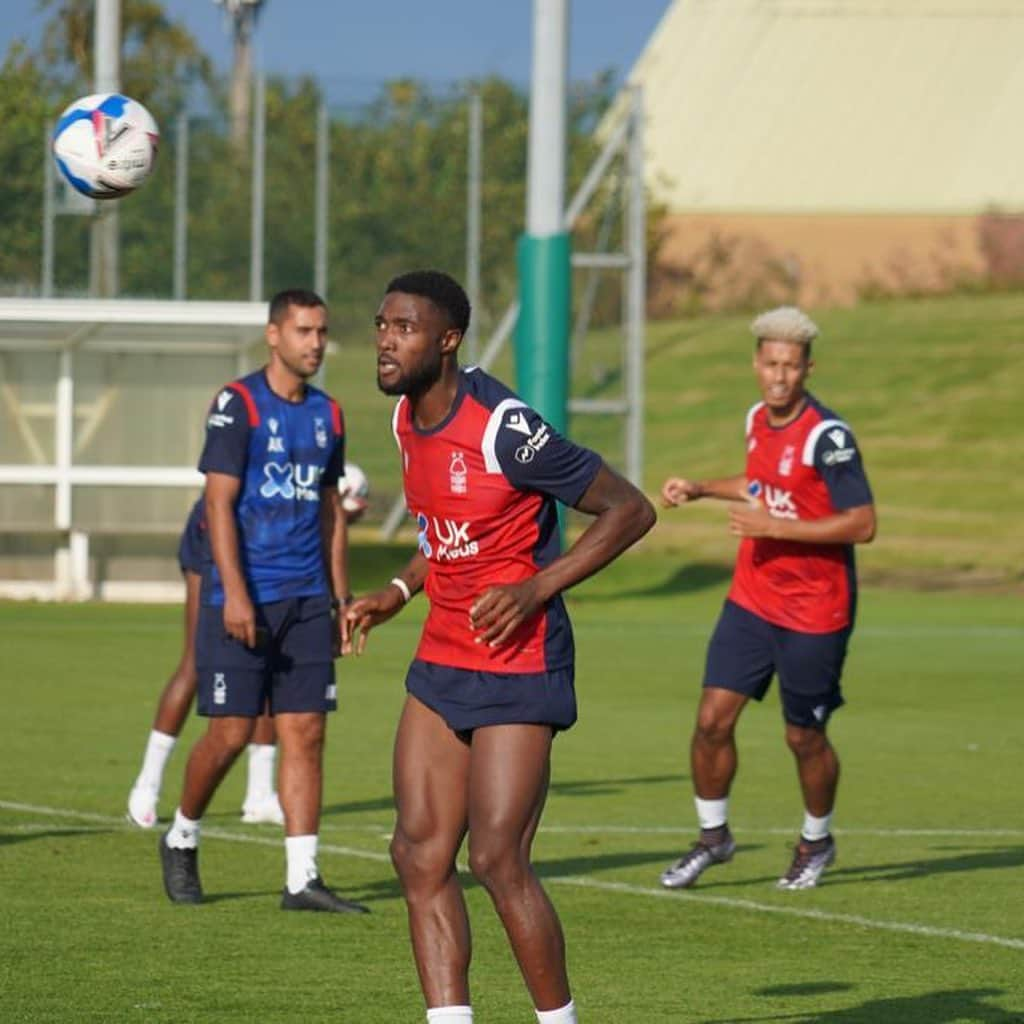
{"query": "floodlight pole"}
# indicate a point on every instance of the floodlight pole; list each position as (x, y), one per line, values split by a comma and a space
(46, 284)
(104, 236)
(181, 208)
(320, 193)
(543, 252)
(258, 186)
(474, 179)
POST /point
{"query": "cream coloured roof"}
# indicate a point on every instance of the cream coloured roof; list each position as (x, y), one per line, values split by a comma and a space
(853, 106)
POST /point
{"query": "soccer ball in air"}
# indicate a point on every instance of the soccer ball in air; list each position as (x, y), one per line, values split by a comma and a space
(355, 491)
(105, 145)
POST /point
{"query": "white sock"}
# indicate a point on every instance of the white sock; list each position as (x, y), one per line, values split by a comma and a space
(815, 828)
(184, 833)
(450, 1015)
(158, 750)
(261, 772)
(563, 1015)
(300, 855)
(712, 813)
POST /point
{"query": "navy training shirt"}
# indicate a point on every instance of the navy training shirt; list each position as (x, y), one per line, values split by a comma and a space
(284, 453)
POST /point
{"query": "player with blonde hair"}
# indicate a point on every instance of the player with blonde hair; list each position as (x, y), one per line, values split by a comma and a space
(798, 509)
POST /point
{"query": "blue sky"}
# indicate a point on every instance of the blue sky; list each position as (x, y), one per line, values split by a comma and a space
(350, 46)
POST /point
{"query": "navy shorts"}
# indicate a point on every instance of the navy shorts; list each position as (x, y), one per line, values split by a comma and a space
(466, 699)
(291, 668)
(745, 651)
(192, 546)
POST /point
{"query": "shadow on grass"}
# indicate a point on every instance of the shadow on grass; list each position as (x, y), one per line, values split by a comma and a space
(380, 803)
(227, 897)
(603, 787)
(905, 871)
(949, 1007)
(10, 838)
(578, 787)
(687, 579)
(584, 864)
(805, 988)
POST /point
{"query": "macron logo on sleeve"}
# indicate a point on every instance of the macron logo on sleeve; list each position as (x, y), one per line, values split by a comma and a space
(517, 422)
(839, 434)
(220, 418)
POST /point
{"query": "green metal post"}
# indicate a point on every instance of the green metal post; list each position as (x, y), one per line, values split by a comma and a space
(542, 331)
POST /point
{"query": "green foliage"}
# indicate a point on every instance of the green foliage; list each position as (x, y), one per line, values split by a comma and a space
(931, 852)
(160, 60)
(397, 173)
(24, 113)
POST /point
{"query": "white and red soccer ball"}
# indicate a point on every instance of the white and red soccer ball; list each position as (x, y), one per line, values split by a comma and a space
(105, 145)
(355, 491)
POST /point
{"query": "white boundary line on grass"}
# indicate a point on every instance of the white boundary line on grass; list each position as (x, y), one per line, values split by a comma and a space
(977, 833)
(589, 883)
(213, 833)
(772, 908)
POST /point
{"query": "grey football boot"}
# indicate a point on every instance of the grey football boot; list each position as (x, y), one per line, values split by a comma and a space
(808, 865)
(696, 861)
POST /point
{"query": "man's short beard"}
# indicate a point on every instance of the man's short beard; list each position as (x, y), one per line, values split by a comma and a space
(416, 382)
(300, 371)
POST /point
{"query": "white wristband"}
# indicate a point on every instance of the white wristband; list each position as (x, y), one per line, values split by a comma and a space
(404, 588)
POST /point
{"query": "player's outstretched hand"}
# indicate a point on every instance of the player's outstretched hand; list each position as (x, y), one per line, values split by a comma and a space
(677, 491)
(366, 612)
(499, 611)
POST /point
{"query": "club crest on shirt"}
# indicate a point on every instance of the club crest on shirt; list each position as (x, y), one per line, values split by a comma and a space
(274, 443)
(320, 431)
(458, 474)
(786, 462)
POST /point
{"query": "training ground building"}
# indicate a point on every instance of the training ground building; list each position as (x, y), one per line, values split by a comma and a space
(821, 151)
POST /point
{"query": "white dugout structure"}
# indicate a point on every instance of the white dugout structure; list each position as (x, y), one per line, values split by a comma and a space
(102, 413)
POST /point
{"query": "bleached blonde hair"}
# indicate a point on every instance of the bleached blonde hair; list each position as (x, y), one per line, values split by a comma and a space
(787, 323)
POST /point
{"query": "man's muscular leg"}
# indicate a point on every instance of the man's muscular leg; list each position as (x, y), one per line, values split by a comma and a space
(509, 772)
(431, 769)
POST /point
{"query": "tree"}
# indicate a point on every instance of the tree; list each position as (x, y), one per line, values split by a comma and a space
(161, 62)
(25, 111)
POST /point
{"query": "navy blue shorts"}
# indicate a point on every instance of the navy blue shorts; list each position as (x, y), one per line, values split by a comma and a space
(745, 651)
(291, 669)
(192, 546)
(467, 700)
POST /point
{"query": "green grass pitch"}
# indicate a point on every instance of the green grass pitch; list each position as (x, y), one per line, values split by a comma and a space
(921, 921)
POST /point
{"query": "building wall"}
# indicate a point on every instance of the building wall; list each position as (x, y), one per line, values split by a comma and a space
(729, 260)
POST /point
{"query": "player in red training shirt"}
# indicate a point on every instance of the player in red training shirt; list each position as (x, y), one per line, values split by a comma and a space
(492, 680)
(801, 505)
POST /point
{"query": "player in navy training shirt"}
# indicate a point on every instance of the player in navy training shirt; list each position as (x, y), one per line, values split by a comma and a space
(492, 680)
(266, 636)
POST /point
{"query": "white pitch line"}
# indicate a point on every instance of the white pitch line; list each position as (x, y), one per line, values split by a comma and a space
(214, 833)
(771, 908)
(743, 830)
(586, 883)
(384, 831)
